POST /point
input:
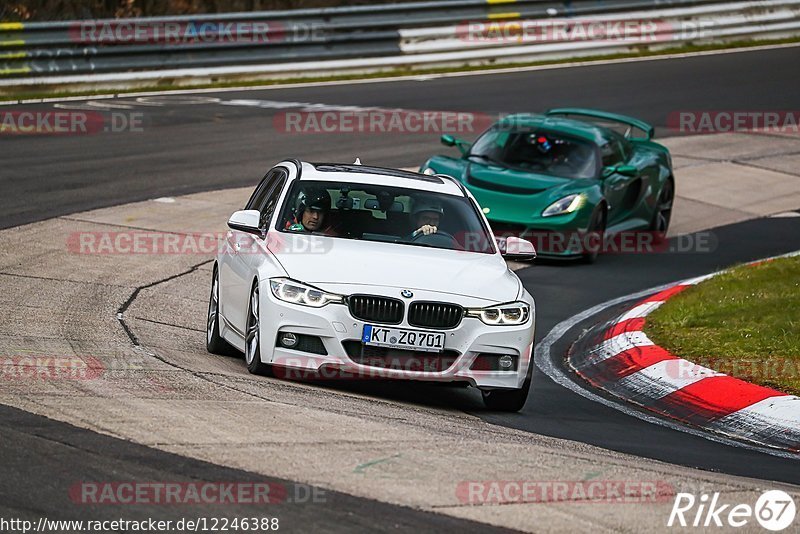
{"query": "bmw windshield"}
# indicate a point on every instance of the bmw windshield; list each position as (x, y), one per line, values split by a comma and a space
(385, 214)
(538, 151)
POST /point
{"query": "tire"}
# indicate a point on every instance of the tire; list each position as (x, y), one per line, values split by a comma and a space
(252, 340)
(508, 400)
(214, 342)
(597, 224)
(663, 213)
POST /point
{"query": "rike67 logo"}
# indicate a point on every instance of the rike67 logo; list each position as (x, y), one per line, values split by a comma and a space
(774, 510)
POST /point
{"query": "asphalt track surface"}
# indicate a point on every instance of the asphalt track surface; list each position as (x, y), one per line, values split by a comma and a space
(43, 459)
(189, 148)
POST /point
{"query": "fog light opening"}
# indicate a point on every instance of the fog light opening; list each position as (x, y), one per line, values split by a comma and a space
(288, 340)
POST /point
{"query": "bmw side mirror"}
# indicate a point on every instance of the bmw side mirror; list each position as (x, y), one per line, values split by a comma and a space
(517, 249)
(246, 221)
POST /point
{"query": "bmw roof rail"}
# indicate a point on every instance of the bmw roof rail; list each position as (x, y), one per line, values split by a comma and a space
(385, 171)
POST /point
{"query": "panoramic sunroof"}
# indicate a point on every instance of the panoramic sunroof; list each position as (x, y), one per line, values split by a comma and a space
(365, 169)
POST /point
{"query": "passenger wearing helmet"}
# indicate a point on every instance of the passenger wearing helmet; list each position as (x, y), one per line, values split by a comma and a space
(311, 213)
(426, 215)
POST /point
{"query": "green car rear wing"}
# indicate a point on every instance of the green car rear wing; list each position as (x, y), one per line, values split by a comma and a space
(648, 130)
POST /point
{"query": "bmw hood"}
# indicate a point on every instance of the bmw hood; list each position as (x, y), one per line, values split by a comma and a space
(346, 261)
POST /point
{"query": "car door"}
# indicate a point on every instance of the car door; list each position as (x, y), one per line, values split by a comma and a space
(620, 190)
(235, 265)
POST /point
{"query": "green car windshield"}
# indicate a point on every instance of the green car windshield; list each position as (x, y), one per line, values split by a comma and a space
(538, 151)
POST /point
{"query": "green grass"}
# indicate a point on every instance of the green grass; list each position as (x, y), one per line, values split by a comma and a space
(745, 323)
(56, 92)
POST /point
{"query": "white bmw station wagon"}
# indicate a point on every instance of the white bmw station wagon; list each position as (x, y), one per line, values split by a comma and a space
(373, 272)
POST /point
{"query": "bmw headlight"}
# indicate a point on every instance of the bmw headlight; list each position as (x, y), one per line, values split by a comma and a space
(289, 290)
(568, 204)
(513, 313)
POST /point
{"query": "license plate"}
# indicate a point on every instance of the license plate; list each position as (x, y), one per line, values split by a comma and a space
(398, 338)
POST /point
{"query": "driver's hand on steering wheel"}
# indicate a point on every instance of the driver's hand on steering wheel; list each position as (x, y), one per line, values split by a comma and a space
(426, 229)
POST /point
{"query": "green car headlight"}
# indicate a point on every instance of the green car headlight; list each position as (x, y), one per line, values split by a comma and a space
(568, 204)
(289, 290)
(513, 313)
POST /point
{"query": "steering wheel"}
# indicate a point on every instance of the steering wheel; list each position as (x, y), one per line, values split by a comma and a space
(438, 239)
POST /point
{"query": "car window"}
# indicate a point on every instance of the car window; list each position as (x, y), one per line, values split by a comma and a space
(271, 200)
(612, 153)
(263, 189)
(538, 151)
(369, 212)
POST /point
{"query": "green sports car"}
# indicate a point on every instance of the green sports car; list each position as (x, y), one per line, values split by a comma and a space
(569, 180)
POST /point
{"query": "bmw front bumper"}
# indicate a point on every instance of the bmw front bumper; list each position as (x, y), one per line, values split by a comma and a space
(338, 330)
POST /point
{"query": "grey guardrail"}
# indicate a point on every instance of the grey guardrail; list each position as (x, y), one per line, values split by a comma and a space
(343, 38)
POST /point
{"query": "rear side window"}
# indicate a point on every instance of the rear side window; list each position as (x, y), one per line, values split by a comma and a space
(267, 193)
(612, 153)
(271, 201)
(263, 189)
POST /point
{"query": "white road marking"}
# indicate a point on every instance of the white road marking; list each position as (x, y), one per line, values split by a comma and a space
(180, 101)
(93, 105)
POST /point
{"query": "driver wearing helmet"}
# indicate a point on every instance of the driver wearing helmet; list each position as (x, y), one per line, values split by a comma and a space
(426, 215)
(311, 213)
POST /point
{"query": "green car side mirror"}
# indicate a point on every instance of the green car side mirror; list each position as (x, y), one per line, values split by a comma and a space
(624, 170)
(449, 140)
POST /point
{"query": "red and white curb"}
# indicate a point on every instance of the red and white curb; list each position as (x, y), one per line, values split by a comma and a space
(619, 358)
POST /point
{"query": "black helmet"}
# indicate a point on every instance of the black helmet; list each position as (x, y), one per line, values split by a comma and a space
(315, 199)
(420, 205)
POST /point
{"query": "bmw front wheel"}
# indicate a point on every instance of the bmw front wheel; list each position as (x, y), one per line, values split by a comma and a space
(214, 342)
(252, 342)
(508, 400)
